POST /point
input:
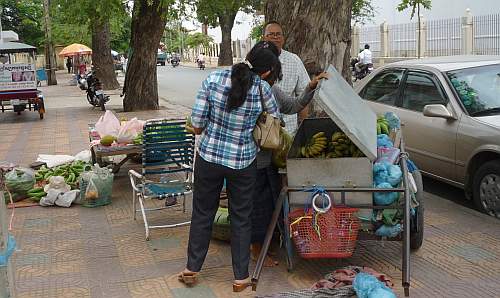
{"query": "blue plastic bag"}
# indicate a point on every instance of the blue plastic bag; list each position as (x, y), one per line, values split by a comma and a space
(393, 120)
(394, 174)
(367, 286)
(383, 140)
(385, 198)
(380, 174)
(388, 231)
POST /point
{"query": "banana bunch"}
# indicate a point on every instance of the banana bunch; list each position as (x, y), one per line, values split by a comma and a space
(316, 146)
(342, 146)
(382, 125)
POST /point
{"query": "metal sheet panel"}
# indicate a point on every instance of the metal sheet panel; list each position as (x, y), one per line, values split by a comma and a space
(353, 116)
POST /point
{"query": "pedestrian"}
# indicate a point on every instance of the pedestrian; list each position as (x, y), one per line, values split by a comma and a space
(268, 184)
(295, 77)
(225, 113)
(69, 64)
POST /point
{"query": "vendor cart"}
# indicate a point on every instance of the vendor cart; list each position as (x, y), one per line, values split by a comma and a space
(18, 79)
(348, 184)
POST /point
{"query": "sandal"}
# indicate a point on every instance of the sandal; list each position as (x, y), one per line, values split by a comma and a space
(240, 287)
(187, 278)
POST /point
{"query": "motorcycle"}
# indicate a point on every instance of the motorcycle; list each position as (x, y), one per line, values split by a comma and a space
(201, 64)
(175, 62)
(95, 94)
(366, 69)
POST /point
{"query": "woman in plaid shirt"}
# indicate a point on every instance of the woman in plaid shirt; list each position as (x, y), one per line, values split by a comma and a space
(225, 112)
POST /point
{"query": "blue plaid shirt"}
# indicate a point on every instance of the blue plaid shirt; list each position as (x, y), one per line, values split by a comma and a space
(227, 136)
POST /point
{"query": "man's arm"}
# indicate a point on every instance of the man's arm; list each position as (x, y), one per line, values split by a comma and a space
(303, 81)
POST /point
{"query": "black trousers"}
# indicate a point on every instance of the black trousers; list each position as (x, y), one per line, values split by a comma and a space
(208, 182)
(267, 190)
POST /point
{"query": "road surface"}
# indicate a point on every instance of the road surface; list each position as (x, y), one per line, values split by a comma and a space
(179, 85)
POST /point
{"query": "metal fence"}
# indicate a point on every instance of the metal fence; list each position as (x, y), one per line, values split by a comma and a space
(444, 37)
(462, 35)
(403, 40)
(371, 36)
(487, 34)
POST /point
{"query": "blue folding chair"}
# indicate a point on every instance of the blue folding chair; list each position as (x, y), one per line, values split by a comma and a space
(167, 152)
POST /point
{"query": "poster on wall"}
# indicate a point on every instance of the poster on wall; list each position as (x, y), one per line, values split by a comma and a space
(17, 77)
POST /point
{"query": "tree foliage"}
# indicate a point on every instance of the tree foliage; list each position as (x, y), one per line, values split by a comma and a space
(257, 30)
(197, 39)
(25, 17)
(363, 11)
(414, 5)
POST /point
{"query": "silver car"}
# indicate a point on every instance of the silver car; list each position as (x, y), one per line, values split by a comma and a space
(450, 109)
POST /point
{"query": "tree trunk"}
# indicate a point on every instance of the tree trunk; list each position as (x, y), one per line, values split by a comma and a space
(101, 54)
(318, 31)
(141, 85)
(226, 22)
(50, 55)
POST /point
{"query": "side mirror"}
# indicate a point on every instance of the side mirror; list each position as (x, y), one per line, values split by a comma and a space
(437, 111)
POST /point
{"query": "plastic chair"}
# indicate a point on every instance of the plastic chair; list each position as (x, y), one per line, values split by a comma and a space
(167, 151)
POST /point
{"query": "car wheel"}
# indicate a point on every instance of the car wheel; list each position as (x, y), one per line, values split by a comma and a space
(487, 188)
(417, 221)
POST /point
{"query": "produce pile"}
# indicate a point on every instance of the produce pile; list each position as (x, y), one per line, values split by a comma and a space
(70, 172)
(337, 146)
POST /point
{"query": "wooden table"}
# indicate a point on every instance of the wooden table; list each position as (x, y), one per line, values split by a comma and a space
(99, 151)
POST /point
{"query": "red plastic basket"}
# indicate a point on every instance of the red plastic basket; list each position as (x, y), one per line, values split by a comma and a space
(338, 232)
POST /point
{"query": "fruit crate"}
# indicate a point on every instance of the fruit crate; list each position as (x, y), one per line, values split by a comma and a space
(327, 172)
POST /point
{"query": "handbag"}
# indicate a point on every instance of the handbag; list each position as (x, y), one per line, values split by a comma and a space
(267, 128)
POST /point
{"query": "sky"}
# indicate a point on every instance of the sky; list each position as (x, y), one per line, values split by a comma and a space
(385, 10)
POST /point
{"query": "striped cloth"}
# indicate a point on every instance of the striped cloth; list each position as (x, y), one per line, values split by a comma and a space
(227, 137)
(294, 82)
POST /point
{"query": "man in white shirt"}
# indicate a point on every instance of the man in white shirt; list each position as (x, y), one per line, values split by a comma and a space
(295, 77)
(365, 58)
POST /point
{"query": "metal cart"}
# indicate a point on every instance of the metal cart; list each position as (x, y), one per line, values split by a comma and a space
(18, 87)
(349, 181)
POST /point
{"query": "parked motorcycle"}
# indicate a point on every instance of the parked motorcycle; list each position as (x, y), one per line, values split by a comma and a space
(95, 94)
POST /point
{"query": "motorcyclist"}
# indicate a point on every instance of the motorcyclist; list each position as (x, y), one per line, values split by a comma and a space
(201, 60)
(365, 59)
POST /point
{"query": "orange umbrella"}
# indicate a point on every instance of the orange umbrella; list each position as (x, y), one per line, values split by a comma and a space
(75, 49)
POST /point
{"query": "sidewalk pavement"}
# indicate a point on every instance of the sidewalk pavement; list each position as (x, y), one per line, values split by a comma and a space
(101, 252)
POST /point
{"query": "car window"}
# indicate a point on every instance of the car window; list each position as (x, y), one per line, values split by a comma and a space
(421, 90)
(384, 87)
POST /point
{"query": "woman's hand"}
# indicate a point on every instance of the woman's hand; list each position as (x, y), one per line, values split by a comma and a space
(314, 82)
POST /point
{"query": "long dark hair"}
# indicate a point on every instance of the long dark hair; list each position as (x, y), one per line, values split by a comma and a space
(262, 57)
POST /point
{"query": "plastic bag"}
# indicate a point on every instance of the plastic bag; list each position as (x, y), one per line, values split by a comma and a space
(388, 231)
(379, 173)
(129, 130)
(393, 120)
(85, 156)
(55, 160)
(108, 125)
(96, 187)
(384, 141)
(91, 192)
(394, 175)
(368, 286)
(18, 182)
(385, 198)
(279, 155)
(387, 154)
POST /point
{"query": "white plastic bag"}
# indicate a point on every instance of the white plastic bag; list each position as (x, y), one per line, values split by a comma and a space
(85, 156)
(108, 125)
(55, 160)
(129, 130)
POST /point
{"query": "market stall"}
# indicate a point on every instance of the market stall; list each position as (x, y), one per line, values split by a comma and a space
(347, 178)
(18, 80)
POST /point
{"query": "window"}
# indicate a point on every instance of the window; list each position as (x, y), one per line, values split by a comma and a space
(384, 87)
(421, 90)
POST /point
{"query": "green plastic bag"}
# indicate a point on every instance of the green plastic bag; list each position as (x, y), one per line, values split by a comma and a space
(279, 155)
(19, 181)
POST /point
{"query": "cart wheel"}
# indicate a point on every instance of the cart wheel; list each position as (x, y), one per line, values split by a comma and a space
(417, 221)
